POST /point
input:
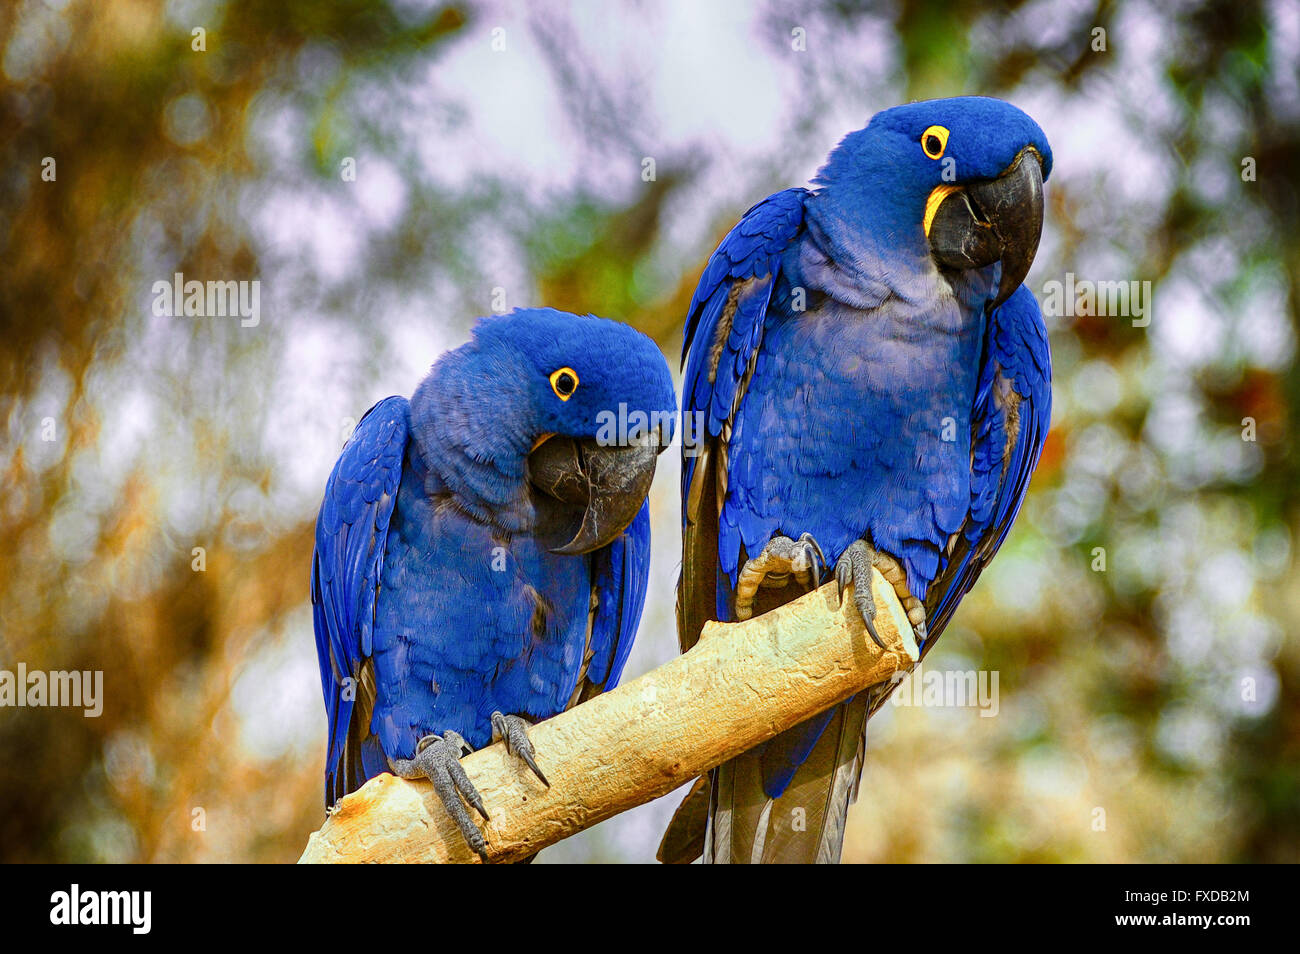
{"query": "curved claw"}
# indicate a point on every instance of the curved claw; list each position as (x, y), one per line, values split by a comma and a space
(526, 753)
(871, 627)
(513, 729)
(854, 567)
(866, 604)
(816, 557)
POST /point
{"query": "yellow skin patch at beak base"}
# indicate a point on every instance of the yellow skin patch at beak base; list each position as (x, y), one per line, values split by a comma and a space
(542, 439)
(932, 203)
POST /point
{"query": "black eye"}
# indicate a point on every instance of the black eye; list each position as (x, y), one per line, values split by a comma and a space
(932, 145)
(564, 382)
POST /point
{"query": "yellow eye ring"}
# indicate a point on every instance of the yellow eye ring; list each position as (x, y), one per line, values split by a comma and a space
(934, 141)
(564, 382)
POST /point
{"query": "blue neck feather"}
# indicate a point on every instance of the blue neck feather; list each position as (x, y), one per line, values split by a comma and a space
(469, 421)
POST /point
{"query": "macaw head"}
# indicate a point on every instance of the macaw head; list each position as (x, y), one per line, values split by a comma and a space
(577, 408)
(963, 177)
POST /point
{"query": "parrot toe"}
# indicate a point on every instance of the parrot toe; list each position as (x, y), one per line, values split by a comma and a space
(514, 730)
(437, 758)
(854, 568)
(772, 568)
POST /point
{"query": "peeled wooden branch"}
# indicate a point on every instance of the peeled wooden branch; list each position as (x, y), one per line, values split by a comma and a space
(740, 685)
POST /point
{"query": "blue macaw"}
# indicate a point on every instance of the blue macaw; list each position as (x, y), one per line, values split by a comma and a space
(873, 385)
(482, 550)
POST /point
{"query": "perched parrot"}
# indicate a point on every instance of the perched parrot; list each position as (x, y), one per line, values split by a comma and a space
(872, 383)
(482, 549)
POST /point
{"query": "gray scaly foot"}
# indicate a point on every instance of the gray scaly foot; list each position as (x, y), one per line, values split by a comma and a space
(437, 758)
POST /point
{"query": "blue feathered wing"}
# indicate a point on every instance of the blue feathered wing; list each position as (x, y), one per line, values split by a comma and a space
(351, 535)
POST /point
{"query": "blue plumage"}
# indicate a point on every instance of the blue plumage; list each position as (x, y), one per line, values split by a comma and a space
(869, 368)
(438, 593)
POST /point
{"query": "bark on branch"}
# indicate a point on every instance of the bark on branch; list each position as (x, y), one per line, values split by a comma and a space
(739, 686)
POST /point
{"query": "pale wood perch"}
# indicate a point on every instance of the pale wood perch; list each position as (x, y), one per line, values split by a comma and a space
(740, 685)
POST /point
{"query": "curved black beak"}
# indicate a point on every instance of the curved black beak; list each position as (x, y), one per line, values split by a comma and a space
(612, 482)
(996, 220)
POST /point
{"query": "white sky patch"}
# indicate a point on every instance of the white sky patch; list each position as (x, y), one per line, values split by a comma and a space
(1284, 40)
(39, 35)
(712, 81)
(380, 192)
(129, 422)
(499, 262)
(1186, 330)
(314, 391)
(516, 128)
(276, 695)
(1263, 332)
(418, 334)
(307, 408)
(315, 223)
(709, 84)
(275, 131)
(1140, 41)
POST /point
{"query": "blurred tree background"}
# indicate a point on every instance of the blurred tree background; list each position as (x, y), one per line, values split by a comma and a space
(589, 157)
